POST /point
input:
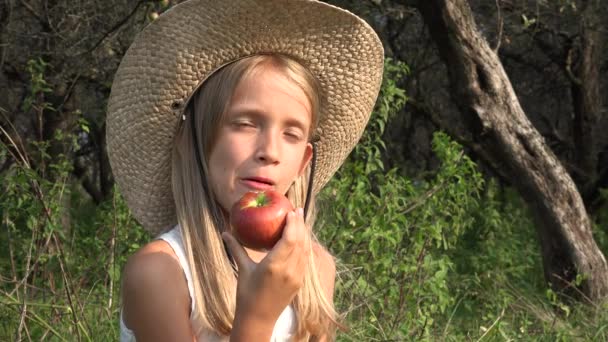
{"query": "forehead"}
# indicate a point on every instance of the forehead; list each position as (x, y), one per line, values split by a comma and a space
(270, 89)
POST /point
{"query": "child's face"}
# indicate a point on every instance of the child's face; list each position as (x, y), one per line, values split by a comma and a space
(263, 140)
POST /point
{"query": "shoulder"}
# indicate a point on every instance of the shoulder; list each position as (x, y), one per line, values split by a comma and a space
(326, 267)
(325, 261)
(154, 290)
(150, 265)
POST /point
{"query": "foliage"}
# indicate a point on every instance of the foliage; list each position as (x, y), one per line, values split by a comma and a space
(447, 257)
(378, 217)
(451, 257)
(60, 256)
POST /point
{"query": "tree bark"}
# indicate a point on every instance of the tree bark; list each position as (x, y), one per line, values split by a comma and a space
(586, 98)
(499, 131)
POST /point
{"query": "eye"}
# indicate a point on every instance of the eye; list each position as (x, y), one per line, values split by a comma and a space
(243, 124)
(295, 135)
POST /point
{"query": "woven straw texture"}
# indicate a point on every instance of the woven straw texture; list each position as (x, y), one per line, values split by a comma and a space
(171, 57)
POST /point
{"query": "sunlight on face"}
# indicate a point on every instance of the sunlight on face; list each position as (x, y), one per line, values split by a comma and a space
(263, 139)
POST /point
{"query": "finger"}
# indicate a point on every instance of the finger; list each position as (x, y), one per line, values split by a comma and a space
(284, 247)
(297, 225)
(236, 250)
(293, 235)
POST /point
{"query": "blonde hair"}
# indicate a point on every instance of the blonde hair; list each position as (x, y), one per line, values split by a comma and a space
(202, 220)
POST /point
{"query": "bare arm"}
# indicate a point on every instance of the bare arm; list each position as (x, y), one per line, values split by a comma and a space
(156, 304)
(155, 293)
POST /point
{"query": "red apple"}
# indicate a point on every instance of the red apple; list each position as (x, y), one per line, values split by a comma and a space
(258, 218)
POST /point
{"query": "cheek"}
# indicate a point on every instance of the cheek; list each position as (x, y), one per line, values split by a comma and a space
(227, 157)
(297, 160)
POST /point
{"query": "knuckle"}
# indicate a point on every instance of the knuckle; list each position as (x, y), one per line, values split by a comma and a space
(291, 240)
(292, 280)
(273, 270)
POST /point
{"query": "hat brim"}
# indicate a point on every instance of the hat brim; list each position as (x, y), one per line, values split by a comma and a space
(172, 56)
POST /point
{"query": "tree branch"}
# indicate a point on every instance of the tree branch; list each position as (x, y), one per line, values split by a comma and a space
(116, 26)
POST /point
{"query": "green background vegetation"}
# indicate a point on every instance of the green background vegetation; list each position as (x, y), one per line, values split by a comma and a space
(445, 255)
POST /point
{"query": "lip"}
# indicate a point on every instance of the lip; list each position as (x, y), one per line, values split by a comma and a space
(258, 183)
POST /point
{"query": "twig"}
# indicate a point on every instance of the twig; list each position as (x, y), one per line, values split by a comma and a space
(28, 268)
(68, 92)
(22, 157)
(411, 288)
(500, 27)
(33, 11)
(577, 81)
(31, 269)
(47, 212)
(493, 324)
(33, 316)
(571, 285)
(447, 325)
(10, 248)
(21, 319)
(111, 263)
(116, 27)
(420, 200)
(68, 291)
(27, 333)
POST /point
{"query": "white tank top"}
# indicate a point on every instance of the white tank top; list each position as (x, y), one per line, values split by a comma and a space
(283, 328)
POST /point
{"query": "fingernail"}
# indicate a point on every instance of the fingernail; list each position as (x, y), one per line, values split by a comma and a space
(300, 211)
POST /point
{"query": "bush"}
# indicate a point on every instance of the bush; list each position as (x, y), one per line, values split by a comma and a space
(60, 255)
(447, 257)
(393, 234)
(60, 258)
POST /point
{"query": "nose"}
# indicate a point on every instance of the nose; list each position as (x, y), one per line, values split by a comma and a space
(268, 149)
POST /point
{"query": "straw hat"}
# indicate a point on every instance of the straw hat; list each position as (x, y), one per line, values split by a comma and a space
(171, 57)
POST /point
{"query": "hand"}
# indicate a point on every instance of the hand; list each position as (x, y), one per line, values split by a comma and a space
(265, 289)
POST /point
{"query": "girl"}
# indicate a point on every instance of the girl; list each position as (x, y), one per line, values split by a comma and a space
(214, 99)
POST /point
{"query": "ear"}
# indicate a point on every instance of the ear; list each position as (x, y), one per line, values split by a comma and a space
(306, 158)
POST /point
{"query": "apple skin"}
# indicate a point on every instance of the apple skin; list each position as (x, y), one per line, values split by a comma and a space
(258, 218)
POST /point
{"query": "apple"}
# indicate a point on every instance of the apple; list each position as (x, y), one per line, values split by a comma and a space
(258, 218)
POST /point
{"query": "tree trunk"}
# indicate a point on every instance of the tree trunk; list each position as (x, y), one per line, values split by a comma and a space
(500, 132)
(587, 100)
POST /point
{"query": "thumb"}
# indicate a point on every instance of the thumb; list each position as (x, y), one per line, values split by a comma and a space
(236, 250)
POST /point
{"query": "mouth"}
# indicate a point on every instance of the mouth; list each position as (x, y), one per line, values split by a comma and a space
(258, 183)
